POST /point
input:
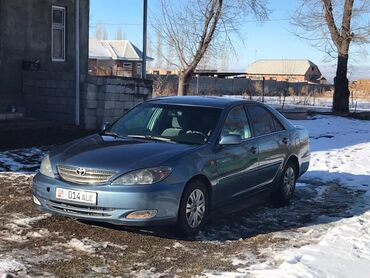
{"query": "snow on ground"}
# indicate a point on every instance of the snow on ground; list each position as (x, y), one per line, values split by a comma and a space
(325, 232)
(317, 103)
(341, 153)
(21, 160)
(325, 102)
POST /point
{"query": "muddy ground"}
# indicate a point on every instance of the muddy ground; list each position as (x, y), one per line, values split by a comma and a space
(47, 246)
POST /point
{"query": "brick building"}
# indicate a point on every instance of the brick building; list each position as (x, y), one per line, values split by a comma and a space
(115, 58)
(44, 66)
(285, 70)
(38, 50)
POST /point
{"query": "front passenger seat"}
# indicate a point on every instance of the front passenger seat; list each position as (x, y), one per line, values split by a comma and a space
(174, 130)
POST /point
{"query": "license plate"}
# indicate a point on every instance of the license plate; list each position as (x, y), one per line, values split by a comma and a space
(76, 196)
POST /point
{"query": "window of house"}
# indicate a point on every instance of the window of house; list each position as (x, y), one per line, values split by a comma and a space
(58, 40)
(127, 64)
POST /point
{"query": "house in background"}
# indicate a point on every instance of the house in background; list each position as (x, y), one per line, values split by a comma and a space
(285, 70)
(115, 58)
(162, 71)
(40, 54)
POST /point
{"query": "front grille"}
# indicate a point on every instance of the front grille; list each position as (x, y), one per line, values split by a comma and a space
(84, 175)
(80, 210)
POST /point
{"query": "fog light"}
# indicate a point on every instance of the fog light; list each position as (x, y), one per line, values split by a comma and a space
(142, 214)
(36, 201)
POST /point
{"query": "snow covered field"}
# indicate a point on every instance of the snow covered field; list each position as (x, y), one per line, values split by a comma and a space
(322, 104)
(325, 232)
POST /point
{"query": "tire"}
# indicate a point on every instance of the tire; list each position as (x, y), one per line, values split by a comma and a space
(194, 209)
(285, 186)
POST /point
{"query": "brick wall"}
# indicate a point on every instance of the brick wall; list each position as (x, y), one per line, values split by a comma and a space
(105, 99)
(49, 95)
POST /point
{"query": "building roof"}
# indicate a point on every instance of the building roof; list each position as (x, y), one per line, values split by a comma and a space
(98, 51)
(281, 66)
(115, 50)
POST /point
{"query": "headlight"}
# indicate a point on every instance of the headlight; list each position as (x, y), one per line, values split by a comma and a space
(45, 167)
(144, 176)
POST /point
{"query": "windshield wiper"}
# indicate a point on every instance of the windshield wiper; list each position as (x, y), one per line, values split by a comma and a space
(112, 133)
(150, 137)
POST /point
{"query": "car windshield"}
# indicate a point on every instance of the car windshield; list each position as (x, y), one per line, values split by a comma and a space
(169, 123)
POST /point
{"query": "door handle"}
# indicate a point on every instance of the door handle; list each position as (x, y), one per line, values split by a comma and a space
(253, 150)
(285, 140)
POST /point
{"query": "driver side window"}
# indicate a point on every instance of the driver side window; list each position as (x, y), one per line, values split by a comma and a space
(237, 123)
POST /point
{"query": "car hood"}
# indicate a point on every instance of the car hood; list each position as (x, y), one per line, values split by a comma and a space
(116, 154)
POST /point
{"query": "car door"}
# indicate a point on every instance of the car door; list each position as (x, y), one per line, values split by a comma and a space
(236, 163)
(272, 141)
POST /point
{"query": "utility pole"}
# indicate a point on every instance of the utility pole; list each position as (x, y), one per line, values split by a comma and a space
(145, 17)
(77, 65)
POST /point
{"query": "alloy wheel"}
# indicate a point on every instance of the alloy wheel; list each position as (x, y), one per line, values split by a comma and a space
(195, 208)
(289, 181)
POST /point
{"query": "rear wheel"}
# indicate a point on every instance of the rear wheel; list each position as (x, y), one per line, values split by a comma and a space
(193, 209)
(286, 185)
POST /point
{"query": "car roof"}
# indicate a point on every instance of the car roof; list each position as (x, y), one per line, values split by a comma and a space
(207, 101)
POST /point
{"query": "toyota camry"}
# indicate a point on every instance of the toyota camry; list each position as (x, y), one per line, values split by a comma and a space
(173, 160)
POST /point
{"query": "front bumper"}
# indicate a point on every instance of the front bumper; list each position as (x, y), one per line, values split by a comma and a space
(114, 203)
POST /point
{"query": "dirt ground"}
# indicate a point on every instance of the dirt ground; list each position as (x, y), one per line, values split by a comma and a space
(50, 246)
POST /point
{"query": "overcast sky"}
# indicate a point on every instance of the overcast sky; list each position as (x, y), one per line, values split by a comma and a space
(273, 39)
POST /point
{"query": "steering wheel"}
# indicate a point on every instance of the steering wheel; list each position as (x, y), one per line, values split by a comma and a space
(196, 132)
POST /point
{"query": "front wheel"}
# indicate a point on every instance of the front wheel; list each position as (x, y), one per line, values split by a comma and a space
(193, 210)
(286, 185)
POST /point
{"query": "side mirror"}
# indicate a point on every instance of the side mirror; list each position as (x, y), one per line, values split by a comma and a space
(231, 140)
(105, 126)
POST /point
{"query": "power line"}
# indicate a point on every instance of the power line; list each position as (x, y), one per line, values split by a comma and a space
(140, 24)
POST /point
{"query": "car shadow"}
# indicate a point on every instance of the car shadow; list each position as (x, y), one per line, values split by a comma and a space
(315, 202)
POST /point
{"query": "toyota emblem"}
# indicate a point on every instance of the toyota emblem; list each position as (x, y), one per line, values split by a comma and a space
(81, 171)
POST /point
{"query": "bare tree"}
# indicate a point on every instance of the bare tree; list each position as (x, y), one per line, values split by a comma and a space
(120, 35)
(101, 32)
(224, 62)
(196, 25)
(333, 25)
(149, 49)
(170, 55)
(159, 50)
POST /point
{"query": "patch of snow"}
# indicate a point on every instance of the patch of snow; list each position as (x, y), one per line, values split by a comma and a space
(8, 265)
(38, 234)
(146, 273)
(83, 246)
(179, 245)
(21, 160)
(17, 224)
(28, 220)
